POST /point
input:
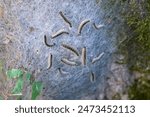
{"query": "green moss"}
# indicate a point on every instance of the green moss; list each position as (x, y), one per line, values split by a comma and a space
(140, 89)
(134, 41)
(137, 44)
(136, 47)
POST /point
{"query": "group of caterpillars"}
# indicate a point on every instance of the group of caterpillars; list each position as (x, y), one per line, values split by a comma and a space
(73, 63)
(72, 49)
(80, 27)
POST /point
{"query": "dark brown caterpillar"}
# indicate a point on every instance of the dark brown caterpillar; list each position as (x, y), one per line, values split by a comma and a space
(50, 56)
(97, 58)
(97, 26)
(65, 19)
(45, 41)
(84, 56)
(92, 77)
(82, 24)
(68, 62)
(71, 48)
(58, 33)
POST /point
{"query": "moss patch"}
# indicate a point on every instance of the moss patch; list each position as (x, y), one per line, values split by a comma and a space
(133, 40)
(136, 47)
(137, 43)
(140, 89)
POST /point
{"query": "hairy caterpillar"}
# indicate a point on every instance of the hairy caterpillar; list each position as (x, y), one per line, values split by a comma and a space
(82, 25)
(97, 58)
(45, 41)
(60, 32)
(68, 62)
(84, 56)
(65, 19)
(97, 26)
(62, 71)
(71, 48)
(92, 77)
(50, 56)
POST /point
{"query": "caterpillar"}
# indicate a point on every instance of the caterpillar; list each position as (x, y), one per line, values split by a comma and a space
(84, 56)
(97, 26)
(65, 19)
(62, 71)
(45, 41)
(92, 77)
(50, 56)
(97, 58)
(68, 62)
(82, 24)
(58, 33)
(71, 48)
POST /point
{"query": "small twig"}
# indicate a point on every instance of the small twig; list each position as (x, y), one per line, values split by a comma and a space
(19, 94)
